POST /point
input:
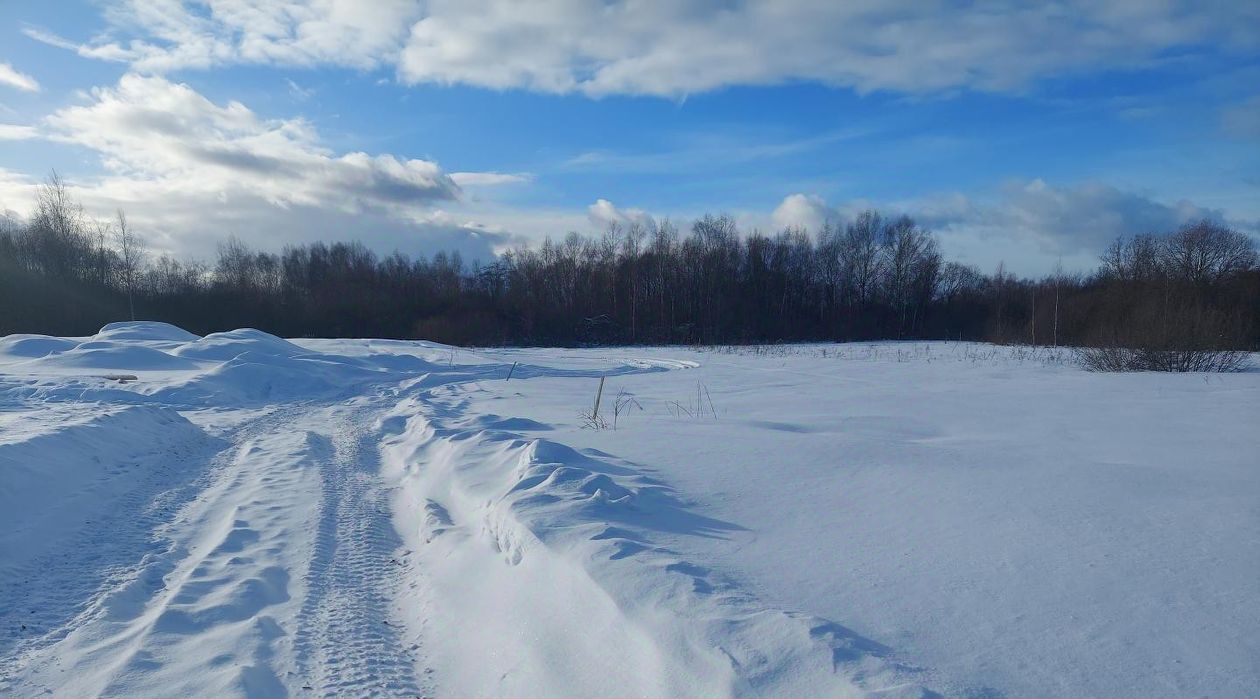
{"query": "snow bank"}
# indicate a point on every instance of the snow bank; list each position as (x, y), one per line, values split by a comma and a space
(549, 555)
(55, 471)
(104, 354)
(28, 346)
(145, 331)
(82, 489)
(229, 345)
(229, 369)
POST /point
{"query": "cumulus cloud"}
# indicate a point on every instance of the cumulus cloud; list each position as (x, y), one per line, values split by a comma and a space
(1062, 220)
(675, 48)
(13, 78)
(150, 128)
(807, 211)
(174, 219)
(604, 213)
(190, 172)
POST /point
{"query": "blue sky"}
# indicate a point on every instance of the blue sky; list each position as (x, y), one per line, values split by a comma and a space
(1019, 133)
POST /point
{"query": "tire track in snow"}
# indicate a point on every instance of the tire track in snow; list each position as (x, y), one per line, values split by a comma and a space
(223, 560)
(347, 643)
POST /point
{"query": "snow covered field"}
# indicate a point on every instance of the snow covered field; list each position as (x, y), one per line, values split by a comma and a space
(252, 516)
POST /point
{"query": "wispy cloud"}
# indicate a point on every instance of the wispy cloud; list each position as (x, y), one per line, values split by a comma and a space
(298, 92)
(490, 179)
(176, 34)
(46, 37)
(703, 152)
(13, 78)
(17, 132)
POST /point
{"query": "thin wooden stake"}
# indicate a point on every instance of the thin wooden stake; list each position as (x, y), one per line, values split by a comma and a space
(509, 376)
(599, 394)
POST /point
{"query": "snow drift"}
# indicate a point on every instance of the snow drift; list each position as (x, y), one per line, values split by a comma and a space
(254, 516)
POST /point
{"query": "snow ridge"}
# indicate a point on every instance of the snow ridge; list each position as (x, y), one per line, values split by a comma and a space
(473, 493)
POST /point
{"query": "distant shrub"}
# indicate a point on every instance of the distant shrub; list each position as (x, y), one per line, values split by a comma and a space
(1132, 359)
(1184, 338)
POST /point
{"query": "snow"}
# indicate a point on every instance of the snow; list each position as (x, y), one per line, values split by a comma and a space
(228, 345)
(255, 516)
(33, 345)
(145, 331)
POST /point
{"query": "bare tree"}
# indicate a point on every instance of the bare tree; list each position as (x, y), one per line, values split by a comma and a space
(1002, 281)
(860, 254)
(130, 258)
(104, 263)
(911, 266)
(633, 248)
(1205, 252)
(1137, 259)
(55, 242)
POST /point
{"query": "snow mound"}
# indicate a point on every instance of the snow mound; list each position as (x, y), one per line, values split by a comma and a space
(33, 346)
(232, 344)
(111, 355)
(250, 378)
(48, 473)
(145, 331)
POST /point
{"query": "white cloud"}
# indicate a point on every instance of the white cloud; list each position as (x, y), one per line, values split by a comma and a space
(675, 48)
(807, 211)
(13, 78)
(603, 213)
(47, 37)
(150, 128)
(1031, 223)
(17, 132)
(298, 92)
(189, 223)
(189, 172)
(1062, 220)
(174, 34)
(704, 152)
(490, 179)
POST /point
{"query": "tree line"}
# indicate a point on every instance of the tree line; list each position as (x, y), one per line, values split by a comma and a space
(875, 277)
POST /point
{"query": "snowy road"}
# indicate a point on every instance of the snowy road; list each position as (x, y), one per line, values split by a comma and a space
(255, 517)
(279, 562)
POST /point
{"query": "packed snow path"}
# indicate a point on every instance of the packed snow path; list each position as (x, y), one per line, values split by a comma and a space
(280, 562)
(347, 635)
(256, 517)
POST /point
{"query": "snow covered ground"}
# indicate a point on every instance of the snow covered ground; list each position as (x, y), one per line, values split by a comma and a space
(251, 516)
